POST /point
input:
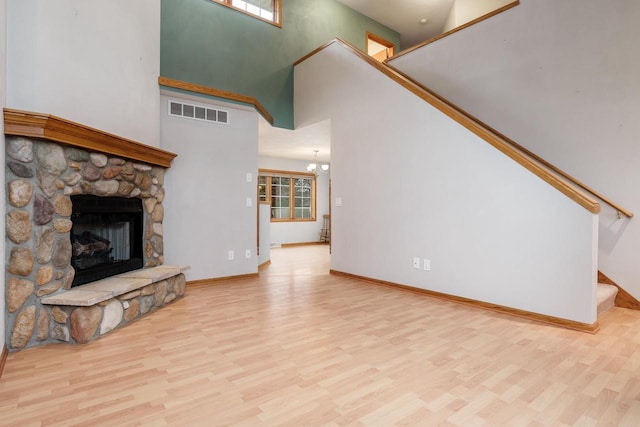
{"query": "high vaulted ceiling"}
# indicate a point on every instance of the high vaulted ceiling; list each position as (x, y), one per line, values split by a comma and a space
(405, 16)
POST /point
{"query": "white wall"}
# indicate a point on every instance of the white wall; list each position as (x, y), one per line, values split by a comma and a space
(463, 11)
(206, 213)
(420, 185)
(91, 61)
(3, 87)
(299, 232)
(265, 233)
(561, 78)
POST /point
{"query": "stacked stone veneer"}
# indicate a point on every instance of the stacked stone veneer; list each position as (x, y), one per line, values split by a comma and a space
(41, 176)
(71, 323)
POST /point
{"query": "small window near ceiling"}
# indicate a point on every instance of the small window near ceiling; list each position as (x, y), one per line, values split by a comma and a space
(265, 10)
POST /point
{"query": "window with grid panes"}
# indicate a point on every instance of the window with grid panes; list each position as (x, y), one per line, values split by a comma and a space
(262, 189)
(302, 198)
(290, 194)
(280, 197)
(266, 10)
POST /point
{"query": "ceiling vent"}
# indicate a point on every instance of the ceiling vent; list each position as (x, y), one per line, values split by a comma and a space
(198, 112)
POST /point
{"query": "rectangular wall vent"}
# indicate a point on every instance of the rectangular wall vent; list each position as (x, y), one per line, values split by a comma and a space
(198, 112)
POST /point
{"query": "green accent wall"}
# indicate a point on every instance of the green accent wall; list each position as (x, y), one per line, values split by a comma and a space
(206, 43)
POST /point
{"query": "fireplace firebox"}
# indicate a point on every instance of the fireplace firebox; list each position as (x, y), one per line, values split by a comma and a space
(106, 236)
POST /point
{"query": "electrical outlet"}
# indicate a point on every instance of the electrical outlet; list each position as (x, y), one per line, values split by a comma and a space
(247, 254)
(230, 255)
(416, 262)
(249, 177)
(249, 202)
(427, 264)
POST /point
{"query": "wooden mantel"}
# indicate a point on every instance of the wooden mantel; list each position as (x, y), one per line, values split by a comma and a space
(52, 128)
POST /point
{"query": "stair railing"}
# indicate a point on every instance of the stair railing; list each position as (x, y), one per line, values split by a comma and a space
(562, 181)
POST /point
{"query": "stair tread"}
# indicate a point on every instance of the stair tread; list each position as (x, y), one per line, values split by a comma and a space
(605, 291)
(606, 295)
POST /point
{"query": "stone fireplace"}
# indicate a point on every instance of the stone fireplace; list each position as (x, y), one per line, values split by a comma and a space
(73, 195)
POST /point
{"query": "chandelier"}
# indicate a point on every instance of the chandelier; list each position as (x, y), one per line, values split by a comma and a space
(316, 167)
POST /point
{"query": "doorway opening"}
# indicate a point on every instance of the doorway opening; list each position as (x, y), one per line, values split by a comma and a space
(379, 48)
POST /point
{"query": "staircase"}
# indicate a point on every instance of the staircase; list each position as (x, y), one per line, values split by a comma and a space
(578, 192)
(606, 295)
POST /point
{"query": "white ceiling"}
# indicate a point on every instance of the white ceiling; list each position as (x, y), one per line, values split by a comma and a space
(295, 144)
(403, 16)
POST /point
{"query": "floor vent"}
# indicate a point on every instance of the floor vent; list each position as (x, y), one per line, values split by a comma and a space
(198, 112)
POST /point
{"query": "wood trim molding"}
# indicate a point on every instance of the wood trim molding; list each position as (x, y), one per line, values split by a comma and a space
(278, 172)
(323, 47)
(390, 47)
(623, 299)
(264, 264)
(49, 127)
(271, 173)
(556, 180)
(380, 40)
(214, 280)
(524, 150)
(608, 201)
(205, 90)
(293, 245)
(456, 29)
(528, 315)
(3, 358)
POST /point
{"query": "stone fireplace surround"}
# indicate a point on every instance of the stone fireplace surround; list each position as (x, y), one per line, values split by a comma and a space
(48, 159)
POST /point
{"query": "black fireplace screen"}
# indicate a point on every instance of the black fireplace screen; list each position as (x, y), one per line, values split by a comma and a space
(106, 237)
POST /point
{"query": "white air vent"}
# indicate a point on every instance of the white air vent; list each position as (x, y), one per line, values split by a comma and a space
(198, 112)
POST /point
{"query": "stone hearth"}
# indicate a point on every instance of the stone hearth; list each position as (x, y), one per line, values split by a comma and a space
(87, 312)
(41, 176)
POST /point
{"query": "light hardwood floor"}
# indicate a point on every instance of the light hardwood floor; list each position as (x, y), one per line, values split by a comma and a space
(298, 347)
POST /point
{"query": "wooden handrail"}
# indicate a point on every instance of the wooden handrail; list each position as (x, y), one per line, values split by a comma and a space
(205, 90)
(616, 206)
(47, 126)
(456, 29)
(619, 209)
(538, 168)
